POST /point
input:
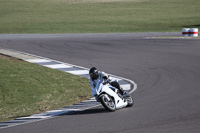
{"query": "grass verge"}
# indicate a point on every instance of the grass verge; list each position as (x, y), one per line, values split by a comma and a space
(27, 88)
(97, 16)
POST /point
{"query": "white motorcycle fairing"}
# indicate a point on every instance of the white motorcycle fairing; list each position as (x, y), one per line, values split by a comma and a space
(107, 89)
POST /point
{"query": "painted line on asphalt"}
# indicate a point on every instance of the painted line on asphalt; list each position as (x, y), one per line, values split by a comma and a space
(56, 66)
(39, 60)
(127, 84)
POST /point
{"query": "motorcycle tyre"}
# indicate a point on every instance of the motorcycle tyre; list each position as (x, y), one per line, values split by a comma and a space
(130, 104)
(106, 106)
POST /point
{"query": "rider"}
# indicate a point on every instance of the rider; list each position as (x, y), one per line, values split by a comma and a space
(95, 74)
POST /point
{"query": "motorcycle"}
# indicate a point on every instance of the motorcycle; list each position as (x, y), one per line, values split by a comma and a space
(111, 97)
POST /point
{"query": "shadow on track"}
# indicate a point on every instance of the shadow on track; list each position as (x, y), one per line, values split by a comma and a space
(88, 111)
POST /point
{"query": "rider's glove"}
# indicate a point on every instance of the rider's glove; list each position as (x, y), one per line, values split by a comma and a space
(107, 81)
(105, 77)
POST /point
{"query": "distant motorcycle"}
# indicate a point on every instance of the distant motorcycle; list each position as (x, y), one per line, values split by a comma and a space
(111, 98)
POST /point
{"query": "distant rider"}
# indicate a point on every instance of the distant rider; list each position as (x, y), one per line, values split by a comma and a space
(95, 76)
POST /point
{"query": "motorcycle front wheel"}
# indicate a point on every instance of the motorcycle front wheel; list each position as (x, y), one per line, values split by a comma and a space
(108, 103)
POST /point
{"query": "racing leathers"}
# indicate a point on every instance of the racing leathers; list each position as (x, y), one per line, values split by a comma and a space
(93, 83)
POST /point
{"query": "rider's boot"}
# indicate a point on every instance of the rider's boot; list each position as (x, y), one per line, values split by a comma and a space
(124, 93)
(122, 90)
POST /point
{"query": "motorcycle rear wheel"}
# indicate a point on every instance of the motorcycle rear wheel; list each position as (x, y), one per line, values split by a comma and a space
(130, 101)
(108, 104)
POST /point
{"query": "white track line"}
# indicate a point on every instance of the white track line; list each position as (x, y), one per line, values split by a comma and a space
(78, 72)
(38, 60)
(58, 66)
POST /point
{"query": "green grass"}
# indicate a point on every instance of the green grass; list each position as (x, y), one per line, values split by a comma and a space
(94, 16)
(27, 88)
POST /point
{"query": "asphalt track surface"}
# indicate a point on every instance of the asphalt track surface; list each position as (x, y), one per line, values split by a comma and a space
(167, 72)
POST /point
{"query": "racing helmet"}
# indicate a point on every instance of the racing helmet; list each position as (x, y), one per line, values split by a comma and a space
(94, 74)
